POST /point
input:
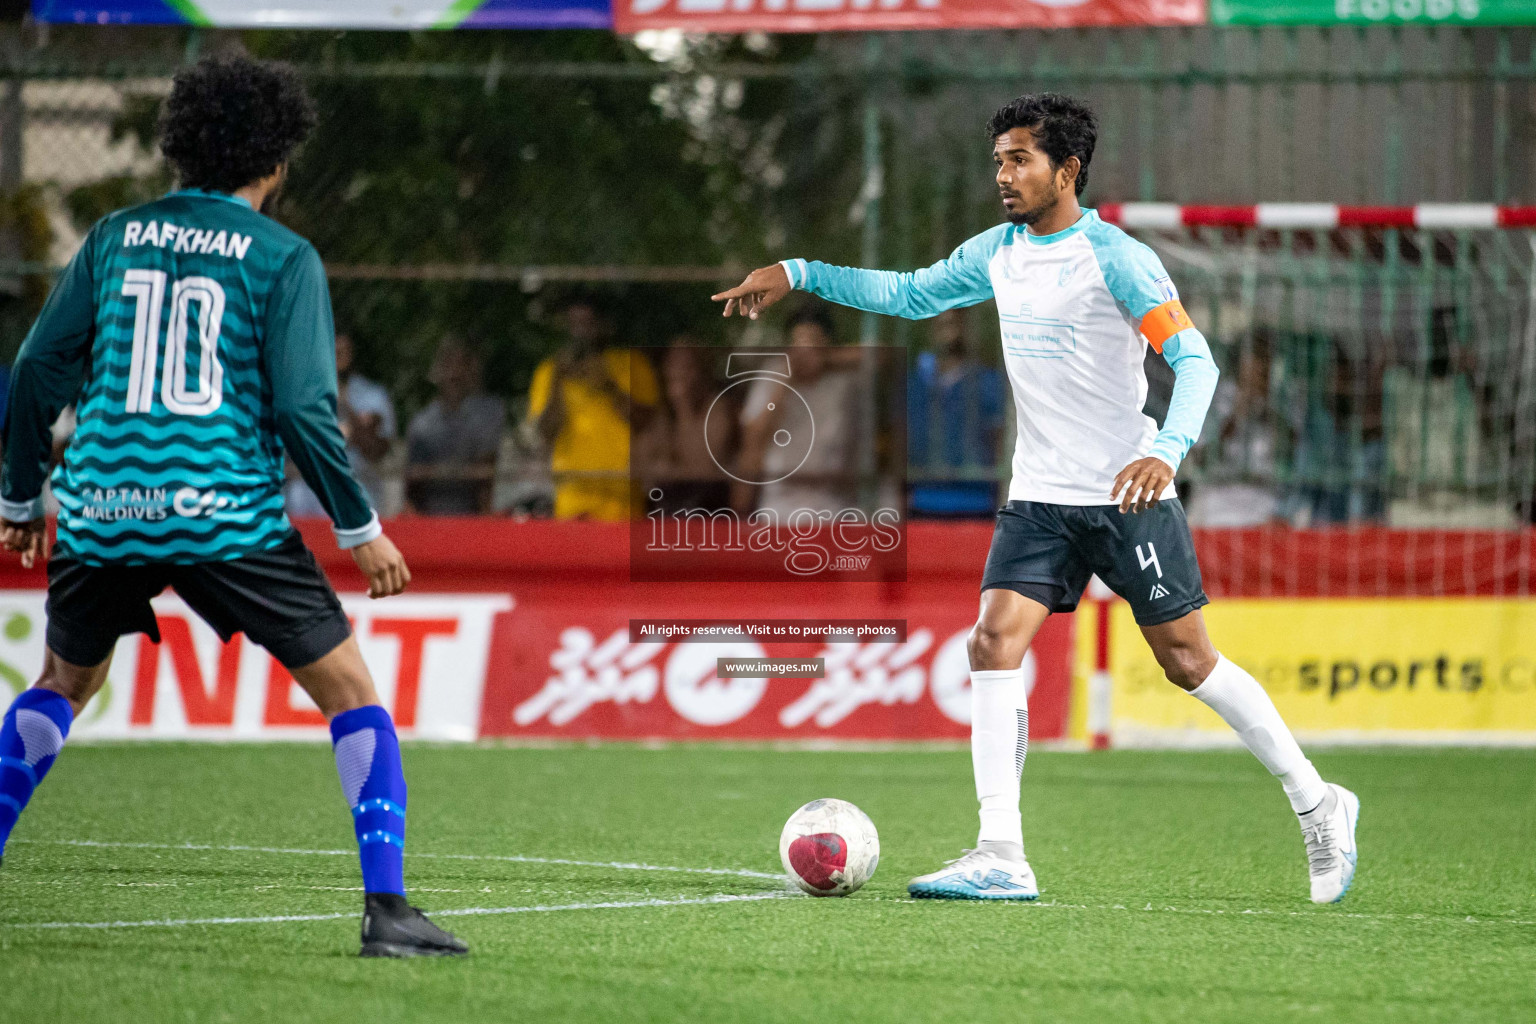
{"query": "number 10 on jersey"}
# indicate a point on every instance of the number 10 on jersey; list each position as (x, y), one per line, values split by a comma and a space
(147, 289)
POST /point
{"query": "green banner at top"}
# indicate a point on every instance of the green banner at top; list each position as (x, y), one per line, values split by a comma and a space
(1373, 12)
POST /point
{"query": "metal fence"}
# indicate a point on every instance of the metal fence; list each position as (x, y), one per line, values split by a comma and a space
(1369, 345)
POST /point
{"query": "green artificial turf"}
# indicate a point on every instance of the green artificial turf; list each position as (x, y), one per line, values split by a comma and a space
(1173, 889)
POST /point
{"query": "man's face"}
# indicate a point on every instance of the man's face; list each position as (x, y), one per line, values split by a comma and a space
(1030, 187)
(949, 332)
(455, 370)
(584, 325)
(808, 343)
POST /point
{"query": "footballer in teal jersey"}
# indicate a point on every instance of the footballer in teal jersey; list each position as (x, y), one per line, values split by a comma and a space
(202, 316)
(193, 336)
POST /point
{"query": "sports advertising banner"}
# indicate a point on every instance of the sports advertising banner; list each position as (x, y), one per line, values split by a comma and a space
(427, 655)
(376, 14)
(855, 15)
(1445, 669)
(1373, 12)
(572, 671)
(524, 630)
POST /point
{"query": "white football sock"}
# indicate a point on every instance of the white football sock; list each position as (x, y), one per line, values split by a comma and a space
(999, 741)
(1242, 703)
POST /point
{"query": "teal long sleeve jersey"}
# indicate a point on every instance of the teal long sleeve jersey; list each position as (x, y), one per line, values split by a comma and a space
(1077, 309)
(194, 337)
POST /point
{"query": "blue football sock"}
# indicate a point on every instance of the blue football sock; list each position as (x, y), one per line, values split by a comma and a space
(31, 736)
(368, 760)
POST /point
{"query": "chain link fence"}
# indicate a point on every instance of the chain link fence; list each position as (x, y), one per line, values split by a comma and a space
(471, 184)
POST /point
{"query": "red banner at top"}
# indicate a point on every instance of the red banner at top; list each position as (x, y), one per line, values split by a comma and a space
(860, 15)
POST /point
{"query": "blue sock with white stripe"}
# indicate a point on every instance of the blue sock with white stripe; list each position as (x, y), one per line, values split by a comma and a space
(31, 736)
(368, 760)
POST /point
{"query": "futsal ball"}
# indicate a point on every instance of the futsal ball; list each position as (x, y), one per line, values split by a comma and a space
(829, 848)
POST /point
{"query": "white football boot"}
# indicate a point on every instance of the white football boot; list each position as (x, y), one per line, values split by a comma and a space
(1329, 832)
(979, 875)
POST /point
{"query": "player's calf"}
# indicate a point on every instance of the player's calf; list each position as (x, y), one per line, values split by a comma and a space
(31, 736)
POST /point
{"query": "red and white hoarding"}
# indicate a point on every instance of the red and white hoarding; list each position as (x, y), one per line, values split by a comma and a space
(427, 655)
(863, 15)
(522, 630)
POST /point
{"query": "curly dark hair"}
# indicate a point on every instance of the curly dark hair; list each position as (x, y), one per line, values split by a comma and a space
(1062, 127)
(230, 121)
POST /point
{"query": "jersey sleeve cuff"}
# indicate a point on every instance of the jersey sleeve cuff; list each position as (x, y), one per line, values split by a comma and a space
(348, 539)
(1163, 453)
(22, 511)
(798, 272)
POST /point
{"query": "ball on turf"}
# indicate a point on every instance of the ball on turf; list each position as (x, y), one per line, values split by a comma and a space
(829, 848)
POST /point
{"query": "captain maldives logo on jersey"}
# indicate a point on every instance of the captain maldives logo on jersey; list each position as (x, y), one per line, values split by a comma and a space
(165, 235)
(115, 503)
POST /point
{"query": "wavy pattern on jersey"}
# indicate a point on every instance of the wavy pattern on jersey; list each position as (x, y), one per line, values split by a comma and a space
(209, 459)
(129, 550)
(112, 363)
(171, 480)
(233, 452)
(216, 433)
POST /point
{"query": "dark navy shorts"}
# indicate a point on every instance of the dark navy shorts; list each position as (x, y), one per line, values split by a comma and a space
(1048, 552)
(278, 597)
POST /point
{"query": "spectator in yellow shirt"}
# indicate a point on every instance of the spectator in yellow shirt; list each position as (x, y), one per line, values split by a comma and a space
(585, 401)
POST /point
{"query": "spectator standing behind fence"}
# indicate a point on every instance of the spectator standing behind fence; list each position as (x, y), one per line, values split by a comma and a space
(584, 401)
(1339, 456)
(367, 419)
(1237, 487)
(828, 478)
(954, 425)
(451, 445)
(1435, 416)
(686, 452)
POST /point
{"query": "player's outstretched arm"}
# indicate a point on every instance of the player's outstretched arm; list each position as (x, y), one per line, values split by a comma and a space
(961, 280)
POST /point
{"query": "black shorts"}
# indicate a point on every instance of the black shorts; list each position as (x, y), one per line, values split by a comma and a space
(278, 597)
(1048, 552)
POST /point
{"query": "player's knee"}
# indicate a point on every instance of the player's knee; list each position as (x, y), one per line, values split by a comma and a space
(992, 647)
(1187, 664)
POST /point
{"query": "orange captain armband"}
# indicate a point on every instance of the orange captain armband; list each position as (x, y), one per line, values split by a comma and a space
(1163, 322)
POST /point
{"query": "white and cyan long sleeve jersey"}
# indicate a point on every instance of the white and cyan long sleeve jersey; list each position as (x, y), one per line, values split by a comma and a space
(1078, 309)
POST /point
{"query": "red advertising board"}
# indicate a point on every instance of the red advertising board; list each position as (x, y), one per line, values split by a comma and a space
(522, 630)
(561, 663)
(861, 15)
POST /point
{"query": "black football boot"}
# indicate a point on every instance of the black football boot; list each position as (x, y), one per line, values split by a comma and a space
(394, 928)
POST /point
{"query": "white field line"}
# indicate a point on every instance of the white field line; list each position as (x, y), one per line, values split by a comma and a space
(464, 912)
(616, 865)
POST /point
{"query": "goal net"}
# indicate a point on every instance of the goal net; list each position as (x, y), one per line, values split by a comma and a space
(1374, 431)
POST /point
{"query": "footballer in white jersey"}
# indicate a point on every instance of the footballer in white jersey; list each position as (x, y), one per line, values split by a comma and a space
(1079, 303)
